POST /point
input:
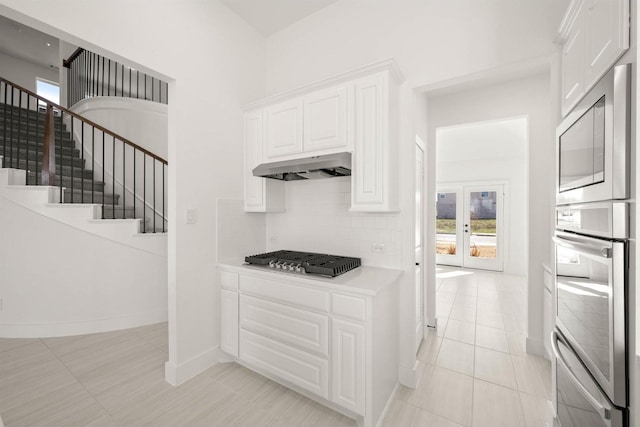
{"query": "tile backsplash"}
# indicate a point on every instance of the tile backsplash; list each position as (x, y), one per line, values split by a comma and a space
(317, 219)
(239, 233)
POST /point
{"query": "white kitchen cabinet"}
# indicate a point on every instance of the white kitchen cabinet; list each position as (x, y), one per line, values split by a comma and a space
(334, 343)
(229, 322)
(354, 112)
(283, 129)
(292, 326)
(573, 62)
(303, 369)
(327, 119)
(260, 194)
(348, 370)
(594, 34)
(372, 179)
(607, 22)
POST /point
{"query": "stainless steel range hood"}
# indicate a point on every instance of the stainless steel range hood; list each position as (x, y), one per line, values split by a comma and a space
(315, 167)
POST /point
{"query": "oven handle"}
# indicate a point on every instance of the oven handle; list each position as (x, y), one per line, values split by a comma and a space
(587, 248)
(604, 412)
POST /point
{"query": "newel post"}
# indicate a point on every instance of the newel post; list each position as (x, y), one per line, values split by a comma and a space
(49, 150)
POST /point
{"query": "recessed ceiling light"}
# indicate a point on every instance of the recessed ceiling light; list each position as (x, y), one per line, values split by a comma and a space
(48, 44)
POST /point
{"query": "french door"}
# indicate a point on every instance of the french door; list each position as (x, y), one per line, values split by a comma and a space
(469, 226)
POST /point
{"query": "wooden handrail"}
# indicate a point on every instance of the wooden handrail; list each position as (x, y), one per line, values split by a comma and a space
(67, 62)
(49, 150)
(87, 121)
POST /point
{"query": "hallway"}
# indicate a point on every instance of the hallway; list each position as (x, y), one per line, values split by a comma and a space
(475, 368)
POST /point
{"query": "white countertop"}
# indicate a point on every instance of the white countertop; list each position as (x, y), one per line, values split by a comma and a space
(364, 280)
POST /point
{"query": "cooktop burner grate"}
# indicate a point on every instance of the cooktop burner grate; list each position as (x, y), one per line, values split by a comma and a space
(305, 262)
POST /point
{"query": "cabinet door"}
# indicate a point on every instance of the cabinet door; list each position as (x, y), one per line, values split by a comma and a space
(371, 133)
(260, 194)
(284, 128)
(326, 117)
(607, 22)
(253, 185)
(573, 63)
(229, 322)
(348, 365)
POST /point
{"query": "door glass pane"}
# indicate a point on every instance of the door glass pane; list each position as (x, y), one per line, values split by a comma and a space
(482, 210)
(446, 224)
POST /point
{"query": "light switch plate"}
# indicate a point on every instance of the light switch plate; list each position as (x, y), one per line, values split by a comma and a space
(190, 216)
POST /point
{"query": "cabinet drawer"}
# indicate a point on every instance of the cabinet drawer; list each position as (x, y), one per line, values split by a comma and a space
(299, 328)
(285, 292)
(349, 306)
(295, 366)
(228, 280)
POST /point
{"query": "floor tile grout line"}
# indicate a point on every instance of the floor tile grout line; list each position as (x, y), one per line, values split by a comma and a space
(78, 380)
(429, 412)
(94, 397)
(68, 371)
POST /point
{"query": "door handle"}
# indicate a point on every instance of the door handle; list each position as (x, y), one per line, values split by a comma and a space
(602, 411)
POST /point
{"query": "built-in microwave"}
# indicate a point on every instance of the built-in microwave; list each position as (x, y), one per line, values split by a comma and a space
(593, 143)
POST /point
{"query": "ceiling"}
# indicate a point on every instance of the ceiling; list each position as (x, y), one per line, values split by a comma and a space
(267, 17)
(31, 45)
(271, 16)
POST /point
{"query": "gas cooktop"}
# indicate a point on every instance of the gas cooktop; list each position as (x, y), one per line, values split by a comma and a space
(305, 262)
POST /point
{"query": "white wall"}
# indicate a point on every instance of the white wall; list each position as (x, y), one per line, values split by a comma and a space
(433, 42)
(59, 280)
(142, 122)
(530, 97)
(24, 73)
(214, 63)
(491, 152)
(317, 219)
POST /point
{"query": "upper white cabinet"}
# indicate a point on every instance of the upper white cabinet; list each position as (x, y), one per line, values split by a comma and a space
(284, 129)
(260, 194)
(327, 118)
(594, 34)
(573, 64)
(607, 22)
(372, 158)
(355, 112)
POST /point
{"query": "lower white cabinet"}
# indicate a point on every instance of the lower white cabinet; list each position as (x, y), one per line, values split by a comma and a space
(229, 321)
(298, 367)
(292, 326)
(348, 370)
(335, 346)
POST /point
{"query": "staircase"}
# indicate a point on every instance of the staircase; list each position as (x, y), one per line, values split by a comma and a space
(21, 147)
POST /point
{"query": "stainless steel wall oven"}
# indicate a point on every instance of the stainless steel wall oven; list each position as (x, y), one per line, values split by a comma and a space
(591, 258)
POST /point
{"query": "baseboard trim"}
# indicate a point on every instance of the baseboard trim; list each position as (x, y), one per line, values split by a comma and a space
(82, 327)
(384, 412)
(409, 376)
(535, 346)
(179, 374)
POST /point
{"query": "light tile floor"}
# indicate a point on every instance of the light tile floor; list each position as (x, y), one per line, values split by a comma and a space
(475, 372)
(475, 368)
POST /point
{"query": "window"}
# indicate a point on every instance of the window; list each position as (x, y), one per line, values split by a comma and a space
(48, 90)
